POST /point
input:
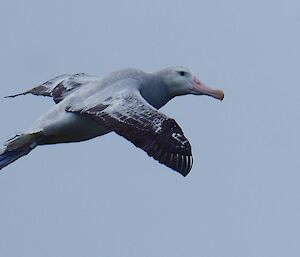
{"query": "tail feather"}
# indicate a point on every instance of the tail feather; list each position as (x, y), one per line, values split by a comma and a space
(17, 147)
(7, 157)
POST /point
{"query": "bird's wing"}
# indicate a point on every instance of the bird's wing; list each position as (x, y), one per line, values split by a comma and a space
(60, 87)
(128, 114)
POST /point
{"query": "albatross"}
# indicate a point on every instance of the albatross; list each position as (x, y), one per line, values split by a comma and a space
(125, 102)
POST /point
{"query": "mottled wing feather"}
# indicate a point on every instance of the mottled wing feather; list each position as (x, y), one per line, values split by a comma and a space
(59, 87)
(137, 121)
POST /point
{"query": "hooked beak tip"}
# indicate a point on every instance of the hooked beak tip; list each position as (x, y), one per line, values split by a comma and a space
(221, 95)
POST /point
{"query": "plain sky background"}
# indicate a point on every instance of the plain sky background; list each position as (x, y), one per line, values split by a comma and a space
(107, 198)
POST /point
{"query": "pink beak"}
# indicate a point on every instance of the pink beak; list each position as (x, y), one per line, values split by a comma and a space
(202, 89)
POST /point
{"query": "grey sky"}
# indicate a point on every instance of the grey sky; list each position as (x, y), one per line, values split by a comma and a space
(107, 198)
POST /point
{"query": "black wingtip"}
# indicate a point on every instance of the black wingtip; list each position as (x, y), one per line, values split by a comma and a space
(12, 96)
(185, 173)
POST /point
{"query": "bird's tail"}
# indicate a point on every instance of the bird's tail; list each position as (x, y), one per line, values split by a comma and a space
(17, 147)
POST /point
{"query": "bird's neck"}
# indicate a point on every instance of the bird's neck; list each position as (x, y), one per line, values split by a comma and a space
(155, 92)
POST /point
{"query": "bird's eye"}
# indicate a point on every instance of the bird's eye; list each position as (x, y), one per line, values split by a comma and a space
(182, 73)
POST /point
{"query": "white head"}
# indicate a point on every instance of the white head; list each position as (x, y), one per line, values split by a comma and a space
(181, 81)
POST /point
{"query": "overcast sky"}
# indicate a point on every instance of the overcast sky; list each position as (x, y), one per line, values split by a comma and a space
(105, 197)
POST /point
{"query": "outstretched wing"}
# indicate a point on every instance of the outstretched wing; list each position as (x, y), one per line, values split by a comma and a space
(129, 115)
(60, 87)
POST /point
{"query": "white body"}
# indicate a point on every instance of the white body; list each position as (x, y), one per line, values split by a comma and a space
(125, 101)
(59, 126)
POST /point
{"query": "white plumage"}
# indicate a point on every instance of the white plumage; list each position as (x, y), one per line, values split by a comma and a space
(125, 101)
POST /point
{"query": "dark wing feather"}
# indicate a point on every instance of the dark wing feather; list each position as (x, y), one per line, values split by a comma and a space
(59, 87)
(134, 119)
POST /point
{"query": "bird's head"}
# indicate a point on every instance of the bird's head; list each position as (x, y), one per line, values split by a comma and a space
(181, 81)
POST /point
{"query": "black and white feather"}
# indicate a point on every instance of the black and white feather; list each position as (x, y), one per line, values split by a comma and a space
(61, 86)
(130, 116)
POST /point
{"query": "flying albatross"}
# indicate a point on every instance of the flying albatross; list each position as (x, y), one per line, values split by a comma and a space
(124, 101)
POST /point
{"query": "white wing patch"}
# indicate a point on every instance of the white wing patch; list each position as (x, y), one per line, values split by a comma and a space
(157, 124)
(179, 138)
